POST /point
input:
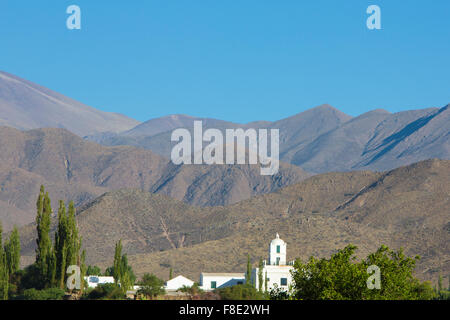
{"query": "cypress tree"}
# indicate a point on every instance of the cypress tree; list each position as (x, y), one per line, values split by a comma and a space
(61, 244)
(260, 275)
(12, 251)
(4, 274)
(249, 270)
(117, 262)
(45, 255)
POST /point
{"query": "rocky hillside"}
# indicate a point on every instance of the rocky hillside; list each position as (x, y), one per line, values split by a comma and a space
(406, 207)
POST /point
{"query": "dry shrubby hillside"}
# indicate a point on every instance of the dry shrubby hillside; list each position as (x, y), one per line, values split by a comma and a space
(74, 169)
(406, 207)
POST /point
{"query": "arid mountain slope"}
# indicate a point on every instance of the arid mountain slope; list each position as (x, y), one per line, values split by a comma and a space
(26, 105)
(405, 207)
(323, 139)
(72, 168)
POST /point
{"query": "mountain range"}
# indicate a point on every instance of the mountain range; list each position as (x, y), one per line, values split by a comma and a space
(322, 139)
(74, 169)
(26, 105)
(405, 207)
(367, 180)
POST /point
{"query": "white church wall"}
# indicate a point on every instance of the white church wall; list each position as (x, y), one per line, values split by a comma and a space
(211, 281)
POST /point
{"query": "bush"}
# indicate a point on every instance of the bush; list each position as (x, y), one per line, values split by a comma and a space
(107, 291)
(240, 292)
(45, 294)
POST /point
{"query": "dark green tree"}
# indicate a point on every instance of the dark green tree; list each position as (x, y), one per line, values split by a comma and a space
(4, 274)
(12, 251)
(62, 239)
(93, 271)
(123, 273)
(240, 292)
(151, 286)
(248, 275)
(260, 275)
(45, 255)
(117, 262)
(341, 277)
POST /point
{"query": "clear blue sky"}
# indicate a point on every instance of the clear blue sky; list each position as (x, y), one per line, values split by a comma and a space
(234, 60)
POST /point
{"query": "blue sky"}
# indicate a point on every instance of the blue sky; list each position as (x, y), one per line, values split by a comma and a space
(233, 60)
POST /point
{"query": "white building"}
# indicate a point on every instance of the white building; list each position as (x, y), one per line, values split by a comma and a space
(211, 281)
(94, 281)
(276, 271)
(177, 283)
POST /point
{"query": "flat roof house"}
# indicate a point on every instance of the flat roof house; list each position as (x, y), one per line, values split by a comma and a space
(211, 281)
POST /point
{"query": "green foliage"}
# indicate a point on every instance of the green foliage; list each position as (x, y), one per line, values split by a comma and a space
(342, 278)
(4, 270)
(123, 273)
(12, 251)
(248, 275)
(93, 271)
(45, 294)
(193, 290)
(278, 293)
(260, 275)
(107, 291)
(45, 255)
(240, 292)
(151, 286)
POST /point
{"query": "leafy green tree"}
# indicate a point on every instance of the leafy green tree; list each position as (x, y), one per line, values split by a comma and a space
(240, 292)
(193, 290)
(151, 286)
(93, 271)
(62, 238)
(248, 275)
(107, 291)
(45, 294)
(45, 255)
(123, 273)
(341, 277)
(12, 251)
(4, 270)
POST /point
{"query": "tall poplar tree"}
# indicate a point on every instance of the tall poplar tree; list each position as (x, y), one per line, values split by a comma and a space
(45, 254)
(122, 272)
(4, 274)
(61, 244)
(12, 251)
(260, 275)
(67, 244)
(249, 270)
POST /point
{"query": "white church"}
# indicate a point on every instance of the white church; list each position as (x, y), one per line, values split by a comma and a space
(276, 271)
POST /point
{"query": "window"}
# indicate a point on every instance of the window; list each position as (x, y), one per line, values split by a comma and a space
(278, 249)
(94, 280)
(213, 284)
(278, 261)
(239, 282)
(283, 281)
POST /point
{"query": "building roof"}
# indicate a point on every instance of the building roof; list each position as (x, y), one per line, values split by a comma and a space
(223, 274)
(180, 277)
